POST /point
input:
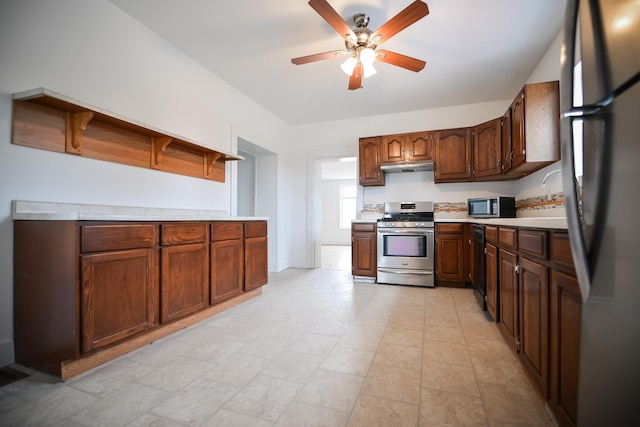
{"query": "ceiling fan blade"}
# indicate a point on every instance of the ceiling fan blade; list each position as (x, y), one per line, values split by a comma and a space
(318, 57)
(330, 15)
(411, 14)
(355, 81)
(400, 60)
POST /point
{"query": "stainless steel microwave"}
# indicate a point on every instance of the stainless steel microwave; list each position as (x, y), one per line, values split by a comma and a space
(492, 207)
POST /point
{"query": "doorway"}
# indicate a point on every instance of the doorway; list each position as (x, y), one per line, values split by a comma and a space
(338, 190)
(256, 190)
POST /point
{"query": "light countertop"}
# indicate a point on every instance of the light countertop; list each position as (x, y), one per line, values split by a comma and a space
(30, 210)
(559, 223)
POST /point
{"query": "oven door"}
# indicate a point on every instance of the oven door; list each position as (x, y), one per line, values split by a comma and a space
(406, 248)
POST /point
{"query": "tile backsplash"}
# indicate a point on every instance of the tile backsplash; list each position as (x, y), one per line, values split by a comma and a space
(538, 206)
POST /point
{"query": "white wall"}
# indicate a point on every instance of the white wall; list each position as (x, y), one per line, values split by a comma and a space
(92, 51)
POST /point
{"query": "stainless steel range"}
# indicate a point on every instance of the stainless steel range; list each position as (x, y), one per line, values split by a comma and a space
(406, 244)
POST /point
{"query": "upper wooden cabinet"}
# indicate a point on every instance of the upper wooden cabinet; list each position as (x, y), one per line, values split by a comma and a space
(487, 149)
(535, 129)
(452, 161)
(369, 161)
(525, 139)
(408, 147)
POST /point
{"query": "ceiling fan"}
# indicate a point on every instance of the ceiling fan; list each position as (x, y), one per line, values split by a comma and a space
(361, 43)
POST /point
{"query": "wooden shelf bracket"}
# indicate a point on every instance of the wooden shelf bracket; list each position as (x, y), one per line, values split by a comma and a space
(76, 125)
(158, 146)
(209, 160)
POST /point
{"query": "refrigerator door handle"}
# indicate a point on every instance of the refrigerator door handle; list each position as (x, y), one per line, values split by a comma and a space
(574, 221)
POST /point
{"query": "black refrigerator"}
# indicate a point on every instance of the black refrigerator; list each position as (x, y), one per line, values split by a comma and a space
(600, 128)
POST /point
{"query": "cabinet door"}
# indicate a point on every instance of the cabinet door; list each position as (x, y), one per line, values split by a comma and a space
(469, 254)
(453, 155)
(183, 284)
(119, 295)
(369, 160)
(226, 270)
(505, 141)
(364, 251)
(566, 310)
(255, 262)
(450, 257)
(534, 322)
(517, 154)
(393, 148)
(487, 149)
(420, 145)
(508, 299)
(491, 277)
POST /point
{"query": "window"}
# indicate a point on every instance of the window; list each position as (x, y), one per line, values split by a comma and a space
(347, 205)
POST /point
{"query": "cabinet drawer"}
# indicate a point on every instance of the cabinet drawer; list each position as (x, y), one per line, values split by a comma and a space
(491, 234)
(178, 234)
(534, 243)
(508, 237)
(363, 226)
(111, 237)
(446, 228)
(560, 249)
(226, 231)
(255, 228)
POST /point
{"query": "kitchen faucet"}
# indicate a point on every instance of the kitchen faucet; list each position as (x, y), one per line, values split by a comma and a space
(546, 177)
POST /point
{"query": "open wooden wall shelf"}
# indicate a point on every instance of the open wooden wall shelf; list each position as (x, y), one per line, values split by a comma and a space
(50, 121)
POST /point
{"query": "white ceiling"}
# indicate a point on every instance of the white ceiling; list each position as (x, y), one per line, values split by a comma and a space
(476, 51)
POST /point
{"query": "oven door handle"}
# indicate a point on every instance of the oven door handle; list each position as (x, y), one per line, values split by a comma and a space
(406, 231)
(405, 271)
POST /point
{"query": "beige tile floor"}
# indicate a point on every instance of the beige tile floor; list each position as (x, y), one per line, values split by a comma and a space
(315, 349)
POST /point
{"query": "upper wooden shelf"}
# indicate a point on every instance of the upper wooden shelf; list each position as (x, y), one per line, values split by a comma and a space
(51, 121)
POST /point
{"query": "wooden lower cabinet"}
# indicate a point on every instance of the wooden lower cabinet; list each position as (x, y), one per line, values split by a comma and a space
(534, 322)
(491, 278)
(119, 295)
(227, 265)
(364, 249)
(227, 260)
(184, 280)
(184, 275)
(87, 290)
(255, 255)
(450, 252)
(566, 309)
(509, 296)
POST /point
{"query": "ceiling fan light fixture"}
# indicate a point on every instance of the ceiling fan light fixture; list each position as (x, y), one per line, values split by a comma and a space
(367, 56)
(348, 65)
(360, 43)
(368, 70)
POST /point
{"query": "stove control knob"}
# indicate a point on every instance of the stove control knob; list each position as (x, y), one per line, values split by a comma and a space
(404, 224)
(421, 224)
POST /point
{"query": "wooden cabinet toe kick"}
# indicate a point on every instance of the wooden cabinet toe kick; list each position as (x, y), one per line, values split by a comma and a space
(72, 368)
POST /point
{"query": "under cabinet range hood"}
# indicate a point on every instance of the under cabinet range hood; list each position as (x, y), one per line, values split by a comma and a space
(407, 167)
